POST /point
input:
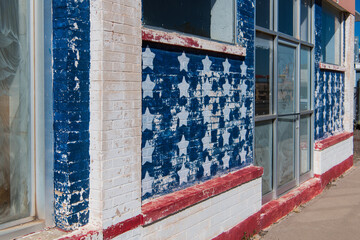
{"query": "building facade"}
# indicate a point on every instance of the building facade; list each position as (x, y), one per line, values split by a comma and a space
(132, 119)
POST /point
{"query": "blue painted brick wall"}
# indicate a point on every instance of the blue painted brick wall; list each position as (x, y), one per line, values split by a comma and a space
(197, 108)
(71, 62)
(328, 89)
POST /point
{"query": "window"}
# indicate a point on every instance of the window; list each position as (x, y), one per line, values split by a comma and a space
(283, 110)
(21, 143)
(331, 35)
(206, 18)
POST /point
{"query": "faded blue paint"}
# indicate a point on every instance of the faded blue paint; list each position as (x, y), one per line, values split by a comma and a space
(181, 144)
(328, 90)
(71, 62)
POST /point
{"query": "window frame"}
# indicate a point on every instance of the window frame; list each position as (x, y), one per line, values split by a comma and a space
(235, 26)
(341, 38)
(295, 41)
(40, 125)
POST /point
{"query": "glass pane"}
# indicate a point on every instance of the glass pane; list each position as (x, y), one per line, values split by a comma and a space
(285, 150)
(264, 153)
(286, 79)
(305, 20)
(330, 35)
(263, 14)
(263, 74)
(304, 145)
(208, 18)
(305, 79)
(14, 111)
(286, 17)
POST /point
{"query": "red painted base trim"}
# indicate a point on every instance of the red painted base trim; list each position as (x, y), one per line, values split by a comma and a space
(276, 209)
(330, 141)
(335, 171)
(164, 206)
(122, 227)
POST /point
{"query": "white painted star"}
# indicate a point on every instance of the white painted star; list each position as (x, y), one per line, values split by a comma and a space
(324, 115)
(147, 120)
(324, 128)
(324, 101)
(330, 77)
(324, 88)
(206, 86)
(226, 137)
(148, 87)
(324, 77)
(183, 144)
(227, 111)
(226, 160)
(146, 184)
(206, 141)
(183, 174)
(184, 87)
(183, 115)
(242, 156)
(243, 68)
(243, 87)
(147, 152)
(317, 116)
(148, 58)
(226, 88)
(226, 66)
(207, 167)
(243, 110)
(318, 76)
(317, 130)
(317, 102)
(206, 63)
(207, 115)
(243, 133)
(184, 61)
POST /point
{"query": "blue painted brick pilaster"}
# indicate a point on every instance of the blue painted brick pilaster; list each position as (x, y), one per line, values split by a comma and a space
(71, 63)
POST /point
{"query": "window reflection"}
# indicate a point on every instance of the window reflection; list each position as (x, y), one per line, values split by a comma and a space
(263, 74)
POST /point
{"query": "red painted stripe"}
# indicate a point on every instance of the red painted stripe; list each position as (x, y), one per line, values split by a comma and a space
(122, 227)
(335, 171)
(276, 209)
(164, 206)
(81, 236)
(330, 141)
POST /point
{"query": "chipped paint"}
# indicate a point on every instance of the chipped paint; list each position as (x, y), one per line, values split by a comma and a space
(71, 60)
(176, 39)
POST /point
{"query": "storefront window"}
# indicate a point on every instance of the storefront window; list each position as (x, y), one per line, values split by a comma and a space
(330, 35)
(15, 158)
(207, 18)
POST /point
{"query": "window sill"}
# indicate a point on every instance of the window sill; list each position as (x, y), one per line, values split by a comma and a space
(176, 39)
(164, 206)
(331, 141)
(332, 67)
(22, 229)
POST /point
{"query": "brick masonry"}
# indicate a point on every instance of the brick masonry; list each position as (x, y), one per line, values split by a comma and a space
(71, 62)
(329, 90)
(197, 111)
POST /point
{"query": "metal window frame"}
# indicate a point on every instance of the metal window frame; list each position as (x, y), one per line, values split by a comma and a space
(297, 42)
(41, 122)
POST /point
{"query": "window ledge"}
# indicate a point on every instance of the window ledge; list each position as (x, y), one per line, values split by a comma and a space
(331, 141)
(169, 204)
(176, 39)
(332, 67)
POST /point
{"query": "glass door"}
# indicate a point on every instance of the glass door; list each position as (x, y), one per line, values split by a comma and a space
(287, 117)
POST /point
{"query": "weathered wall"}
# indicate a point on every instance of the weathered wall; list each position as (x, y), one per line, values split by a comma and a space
(71, 61)
(197, 111)
(115, 129)
(329, 87)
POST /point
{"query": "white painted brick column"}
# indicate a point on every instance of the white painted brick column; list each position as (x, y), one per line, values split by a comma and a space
(115, 106)
(349, 73)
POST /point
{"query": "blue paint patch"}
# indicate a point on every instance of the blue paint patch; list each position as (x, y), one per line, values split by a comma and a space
(328, 90)
(71, 64)
(197, 112)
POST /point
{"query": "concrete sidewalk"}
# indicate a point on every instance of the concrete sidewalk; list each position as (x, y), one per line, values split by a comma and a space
(334, 214)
